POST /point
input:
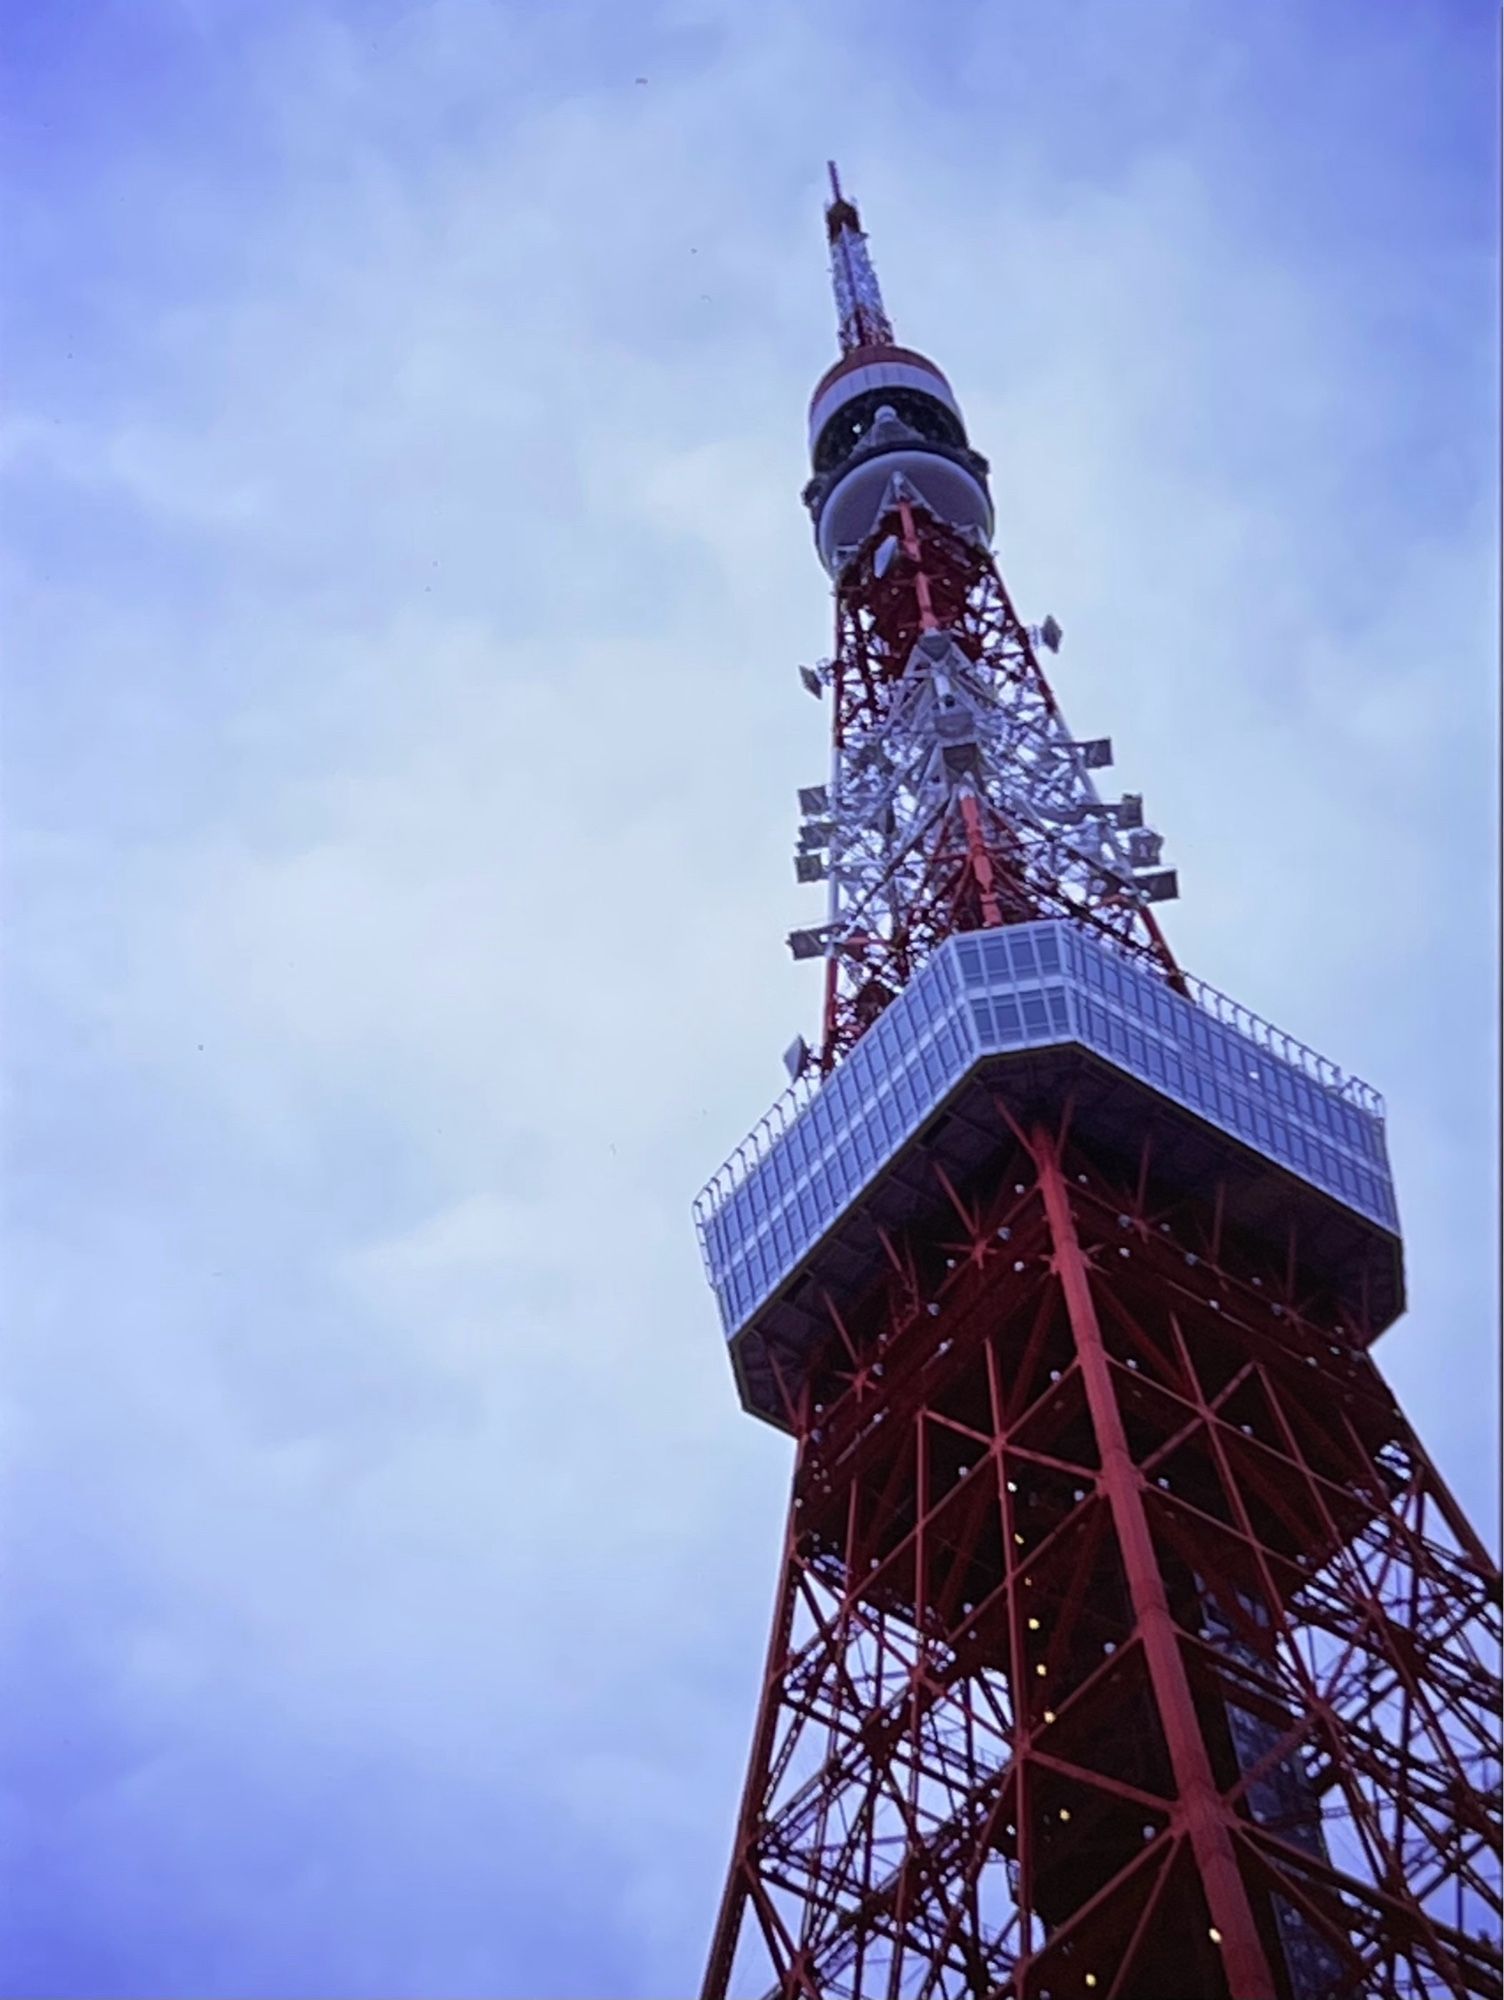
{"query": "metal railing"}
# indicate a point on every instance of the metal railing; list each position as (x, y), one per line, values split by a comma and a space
(1228, 1013)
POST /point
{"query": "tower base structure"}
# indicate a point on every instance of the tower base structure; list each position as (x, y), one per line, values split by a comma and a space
(1126, 1642)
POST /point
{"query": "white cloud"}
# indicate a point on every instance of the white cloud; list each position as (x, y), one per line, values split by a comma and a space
(400, 794)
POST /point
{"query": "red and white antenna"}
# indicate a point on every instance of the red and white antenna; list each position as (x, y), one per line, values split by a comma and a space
(958, 798)
(859, 301)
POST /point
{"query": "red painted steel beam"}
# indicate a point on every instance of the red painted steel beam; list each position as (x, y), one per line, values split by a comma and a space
(1200, 1805)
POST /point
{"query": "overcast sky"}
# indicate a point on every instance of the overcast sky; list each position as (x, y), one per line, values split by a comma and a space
(404, 585)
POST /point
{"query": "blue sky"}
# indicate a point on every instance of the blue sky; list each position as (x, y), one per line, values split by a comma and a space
(404, 582)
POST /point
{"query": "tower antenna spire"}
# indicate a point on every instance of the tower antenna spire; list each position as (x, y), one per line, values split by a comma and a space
(861, 318)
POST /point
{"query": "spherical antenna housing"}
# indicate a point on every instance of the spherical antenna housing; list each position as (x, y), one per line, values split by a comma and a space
(884, 409)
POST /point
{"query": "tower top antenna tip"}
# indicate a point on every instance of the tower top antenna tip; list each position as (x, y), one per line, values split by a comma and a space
(859, 303)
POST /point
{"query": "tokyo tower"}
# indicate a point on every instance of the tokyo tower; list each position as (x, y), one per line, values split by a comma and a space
(1126, 1642)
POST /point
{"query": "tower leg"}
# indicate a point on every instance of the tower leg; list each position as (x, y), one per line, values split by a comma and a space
(1200, 1810)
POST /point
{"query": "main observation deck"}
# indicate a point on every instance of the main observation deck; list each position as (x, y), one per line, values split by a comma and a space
(1034, 1013)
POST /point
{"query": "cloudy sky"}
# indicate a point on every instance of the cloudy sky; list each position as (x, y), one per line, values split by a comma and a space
(404, 584)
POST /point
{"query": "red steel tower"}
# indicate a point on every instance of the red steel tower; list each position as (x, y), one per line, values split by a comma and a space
(1126, 1641)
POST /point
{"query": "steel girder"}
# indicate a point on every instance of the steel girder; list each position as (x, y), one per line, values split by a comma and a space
(1126, 1641)
(958, 798)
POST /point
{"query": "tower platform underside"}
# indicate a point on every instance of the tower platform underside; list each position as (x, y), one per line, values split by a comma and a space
(1003, 1029)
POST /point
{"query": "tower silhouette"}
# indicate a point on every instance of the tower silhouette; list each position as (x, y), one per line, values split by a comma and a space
(1126, 1641)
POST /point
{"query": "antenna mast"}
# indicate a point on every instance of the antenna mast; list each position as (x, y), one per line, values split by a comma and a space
(860, 317)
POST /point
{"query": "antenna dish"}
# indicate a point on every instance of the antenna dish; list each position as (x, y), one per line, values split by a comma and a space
(1162, 887)
(807, 944)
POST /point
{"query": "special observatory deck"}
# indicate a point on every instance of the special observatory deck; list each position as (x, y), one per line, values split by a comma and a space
(1034, 1012)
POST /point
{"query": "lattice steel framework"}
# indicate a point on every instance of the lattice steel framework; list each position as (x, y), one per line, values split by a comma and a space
(1126, 1641)
(958, 798)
